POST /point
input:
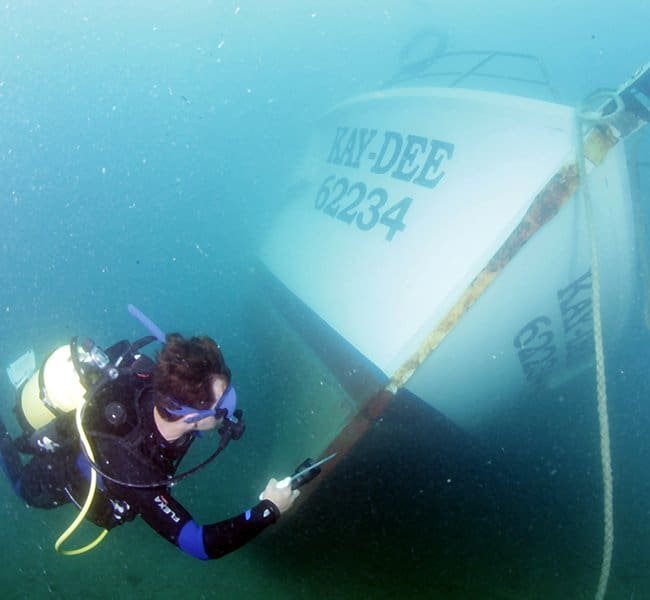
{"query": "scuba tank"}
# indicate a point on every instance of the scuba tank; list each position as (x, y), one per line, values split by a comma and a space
(48, 399)
(61, 383)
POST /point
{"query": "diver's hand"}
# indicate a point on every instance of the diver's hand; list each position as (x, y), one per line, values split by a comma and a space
(283, 497)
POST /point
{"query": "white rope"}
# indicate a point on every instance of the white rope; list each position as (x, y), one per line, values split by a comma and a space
(601, 384)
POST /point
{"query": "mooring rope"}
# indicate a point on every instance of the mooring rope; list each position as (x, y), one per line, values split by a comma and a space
(601, 384)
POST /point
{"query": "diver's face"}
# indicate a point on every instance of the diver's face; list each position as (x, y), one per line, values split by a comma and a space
(219, 386)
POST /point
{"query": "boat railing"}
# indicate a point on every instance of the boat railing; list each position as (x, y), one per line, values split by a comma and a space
(425, 58)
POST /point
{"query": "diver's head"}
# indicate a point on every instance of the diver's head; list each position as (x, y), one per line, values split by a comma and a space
(192, 382)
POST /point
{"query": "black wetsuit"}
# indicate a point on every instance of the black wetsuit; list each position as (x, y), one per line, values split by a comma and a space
(127, 446)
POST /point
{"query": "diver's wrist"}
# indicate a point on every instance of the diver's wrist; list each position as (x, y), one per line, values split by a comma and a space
(267, 505)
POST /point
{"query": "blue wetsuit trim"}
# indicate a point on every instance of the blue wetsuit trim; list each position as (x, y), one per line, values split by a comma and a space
(190, 540)
(84, 468)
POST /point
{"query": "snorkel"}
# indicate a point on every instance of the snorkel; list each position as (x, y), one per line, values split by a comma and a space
(149, 325)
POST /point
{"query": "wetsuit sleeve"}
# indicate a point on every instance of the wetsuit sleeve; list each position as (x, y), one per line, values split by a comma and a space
(172, 521)
(224, 537)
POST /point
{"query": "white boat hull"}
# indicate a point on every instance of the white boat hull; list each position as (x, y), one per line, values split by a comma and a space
(405, 197)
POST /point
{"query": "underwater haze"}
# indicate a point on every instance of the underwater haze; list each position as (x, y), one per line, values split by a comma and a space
(144, 150)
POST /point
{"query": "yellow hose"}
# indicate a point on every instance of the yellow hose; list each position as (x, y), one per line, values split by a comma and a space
(89, 498)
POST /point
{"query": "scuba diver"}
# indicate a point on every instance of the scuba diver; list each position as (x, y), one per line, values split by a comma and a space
(128, 434)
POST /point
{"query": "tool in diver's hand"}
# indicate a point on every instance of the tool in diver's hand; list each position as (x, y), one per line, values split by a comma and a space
(304, 473)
